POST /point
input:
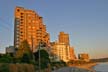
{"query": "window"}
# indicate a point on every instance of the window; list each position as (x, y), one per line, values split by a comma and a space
(21, 16)
(34, 36)
(17, 21)
(39, 31)
(33, 27)
(17, 39)
(29, 21)
(37, 22)
(21, 25)
(21, 39)
(38, 39)
(21, 35)
(17, 25)
(40, 27)
(22, 13)
(18, 29)
(29, 26)
(17, 32)
(21, 22)
(29, 36)
(21, 29)
(17, 36)
(29, 15)
(21, 19)
(18, 10)
(21, 32)
(33, 21)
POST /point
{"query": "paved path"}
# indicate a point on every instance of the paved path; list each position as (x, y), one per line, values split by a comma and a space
(71, 69)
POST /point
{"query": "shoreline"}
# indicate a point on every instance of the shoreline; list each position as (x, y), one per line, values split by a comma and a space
(86, 66)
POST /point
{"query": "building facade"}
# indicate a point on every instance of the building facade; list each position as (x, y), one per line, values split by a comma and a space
(62, 49)
(84, 56)
(29, 26)
(63, 38)
(72, 54)
(10, 50)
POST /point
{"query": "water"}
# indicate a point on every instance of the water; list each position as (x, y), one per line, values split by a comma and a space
(101, 67)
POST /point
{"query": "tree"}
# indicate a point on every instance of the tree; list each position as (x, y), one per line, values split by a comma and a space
(23, 48)
(24, 53)
(26, 58)
(6, 59)
(44, 58)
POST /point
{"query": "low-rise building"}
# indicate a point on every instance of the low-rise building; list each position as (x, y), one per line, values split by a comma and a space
(62, 51)
(72, 54)
(10, 50)
(84, 56)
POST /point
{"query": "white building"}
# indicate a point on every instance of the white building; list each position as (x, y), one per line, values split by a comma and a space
(62, 51)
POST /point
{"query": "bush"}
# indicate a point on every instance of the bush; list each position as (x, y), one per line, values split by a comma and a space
(6, 59)
(4, 68)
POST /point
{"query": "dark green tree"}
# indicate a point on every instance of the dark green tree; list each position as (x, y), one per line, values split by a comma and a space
(44, 58)
(6, 59)
(24, 52)
(26, 58)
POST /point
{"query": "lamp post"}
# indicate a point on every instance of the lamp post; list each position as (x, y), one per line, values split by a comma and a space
(39, 59)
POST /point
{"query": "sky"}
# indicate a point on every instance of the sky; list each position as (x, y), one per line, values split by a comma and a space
(86, 22)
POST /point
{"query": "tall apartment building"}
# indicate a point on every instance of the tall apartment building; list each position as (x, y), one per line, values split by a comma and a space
(63, 38)
(29, 26)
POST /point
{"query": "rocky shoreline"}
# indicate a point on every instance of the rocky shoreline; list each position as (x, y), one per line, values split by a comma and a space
(88, 66)
(78, 68)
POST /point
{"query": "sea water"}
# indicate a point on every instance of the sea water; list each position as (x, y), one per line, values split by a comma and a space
(101, 67)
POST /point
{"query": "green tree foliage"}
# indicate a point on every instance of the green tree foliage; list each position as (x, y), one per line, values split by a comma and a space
(6, 59)
(24, 53)
(26, 58)
(26, 47)
(44, 58)
(23, 48)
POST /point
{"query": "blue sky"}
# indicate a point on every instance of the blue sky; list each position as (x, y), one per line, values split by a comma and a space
(85, 20)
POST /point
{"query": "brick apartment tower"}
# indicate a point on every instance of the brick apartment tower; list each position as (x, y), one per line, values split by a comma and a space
(29, 26)
(64, 38)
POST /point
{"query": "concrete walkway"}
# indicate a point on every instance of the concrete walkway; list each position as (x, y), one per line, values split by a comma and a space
(72, 69)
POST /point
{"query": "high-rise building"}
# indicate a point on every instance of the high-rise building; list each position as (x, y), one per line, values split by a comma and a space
(29, 26)
(64, 38)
